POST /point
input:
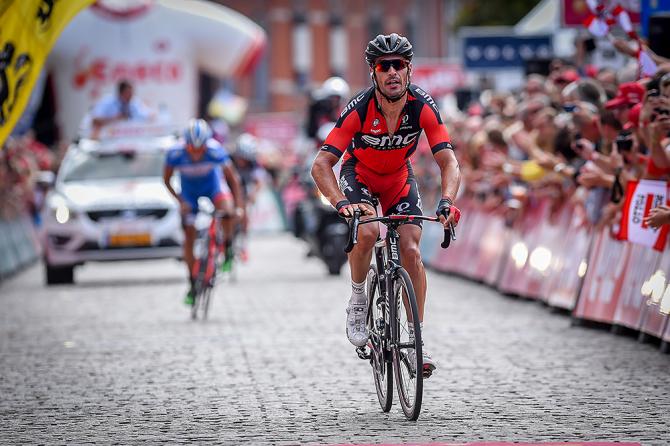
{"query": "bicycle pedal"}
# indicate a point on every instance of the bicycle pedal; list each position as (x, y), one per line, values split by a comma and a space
(362, 353)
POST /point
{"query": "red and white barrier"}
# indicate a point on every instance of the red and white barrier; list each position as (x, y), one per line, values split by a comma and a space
(571, 257)
(529, 261)
(655, 317)
(550, 254)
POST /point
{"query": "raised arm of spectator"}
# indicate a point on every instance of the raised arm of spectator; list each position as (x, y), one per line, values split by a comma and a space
(631, 50)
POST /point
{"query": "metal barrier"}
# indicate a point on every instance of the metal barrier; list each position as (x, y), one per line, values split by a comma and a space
(18, 245)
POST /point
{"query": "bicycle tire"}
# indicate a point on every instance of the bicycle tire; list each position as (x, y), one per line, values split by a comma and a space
(200, 285)
(382, 368)
(206, 301)
(409, 385)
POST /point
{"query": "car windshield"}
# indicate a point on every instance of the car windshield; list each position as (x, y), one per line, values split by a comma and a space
(84, 166)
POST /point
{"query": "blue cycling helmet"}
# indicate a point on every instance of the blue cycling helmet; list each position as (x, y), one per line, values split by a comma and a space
(197, 132)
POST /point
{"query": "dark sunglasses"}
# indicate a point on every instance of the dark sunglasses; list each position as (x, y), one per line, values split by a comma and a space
(385, 65)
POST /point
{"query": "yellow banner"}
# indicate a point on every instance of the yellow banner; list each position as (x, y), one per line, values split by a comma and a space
(28, 31)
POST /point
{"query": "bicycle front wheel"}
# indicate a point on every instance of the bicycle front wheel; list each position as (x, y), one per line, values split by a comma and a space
(407, 354)
(377, 325)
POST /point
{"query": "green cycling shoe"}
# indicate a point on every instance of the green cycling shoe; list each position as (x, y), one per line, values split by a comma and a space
(190, 298)
(227, 264)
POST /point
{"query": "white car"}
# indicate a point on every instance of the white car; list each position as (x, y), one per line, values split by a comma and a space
(109, 203)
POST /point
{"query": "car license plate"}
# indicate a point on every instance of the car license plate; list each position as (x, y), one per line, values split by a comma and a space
(139, 239)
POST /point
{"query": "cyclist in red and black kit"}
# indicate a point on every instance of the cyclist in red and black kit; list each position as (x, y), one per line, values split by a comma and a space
(377, 133)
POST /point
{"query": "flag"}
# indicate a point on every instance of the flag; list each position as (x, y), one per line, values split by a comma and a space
(28, 30)
(641, 197)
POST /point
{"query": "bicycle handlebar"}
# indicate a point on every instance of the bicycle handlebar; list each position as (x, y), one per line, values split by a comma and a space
(355, 222)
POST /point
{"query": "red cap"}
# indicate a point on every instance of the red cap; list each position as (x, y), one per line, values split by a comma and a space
(630, 93)
(633, 117)
(568, 76)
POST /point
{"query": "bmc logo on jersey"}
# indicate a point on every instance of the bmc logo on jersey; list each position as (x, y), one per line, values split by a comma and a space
(427, 97)
(352, 104)
(390, 142)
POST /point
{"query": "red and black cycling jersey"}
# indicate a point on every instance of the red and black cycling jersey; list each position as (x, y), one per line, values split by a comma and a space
(362, 131)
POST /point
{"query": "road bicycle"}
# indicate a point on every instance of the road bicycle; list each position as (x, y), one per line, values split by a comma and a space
(390, 349)
(209, 243)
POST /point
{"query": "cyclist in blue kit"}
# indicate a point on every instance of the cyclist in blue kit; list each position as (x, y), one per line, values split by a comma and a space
(200, 161)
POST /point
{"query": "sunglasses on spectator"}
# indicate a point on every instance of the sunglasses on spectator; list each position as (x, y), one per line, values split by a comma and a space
(385, 65)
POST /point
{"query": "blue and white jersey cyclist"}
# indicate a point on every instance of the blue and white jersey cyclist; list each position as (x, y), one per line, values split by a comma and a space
(205, 170)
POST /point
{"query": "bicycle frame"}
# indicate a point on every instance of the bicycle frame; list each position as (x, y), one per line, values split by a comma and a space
(387, 258)
(214, 245)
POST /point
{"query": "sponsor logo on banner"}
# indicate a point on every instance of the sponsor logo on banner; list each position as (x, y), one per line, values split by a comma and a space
(641, 197)
(99, 72)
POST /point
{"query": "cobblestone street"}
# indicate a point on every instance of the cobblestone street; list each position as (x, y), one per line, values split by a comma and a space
(115, 358)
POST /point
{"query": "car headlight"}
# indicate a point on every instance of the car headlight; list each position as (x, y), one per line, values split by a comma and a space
(60, 210)
(62, 213)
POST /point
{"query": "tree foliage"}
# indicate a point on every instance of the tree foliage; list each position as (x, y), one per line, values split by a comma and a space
(493, 13)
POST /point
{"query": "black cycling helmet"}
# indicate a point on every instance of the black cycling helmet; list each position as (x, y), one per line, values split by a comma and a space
(392, 44)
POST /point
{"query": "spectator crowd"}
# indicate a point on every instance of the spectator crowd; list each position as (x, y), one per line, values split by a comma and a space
(577, 135)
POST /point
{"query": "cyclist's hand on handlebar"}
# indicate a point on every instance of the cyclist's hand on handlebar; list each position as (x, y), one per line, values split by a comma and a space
(239, 212)
(448, 213)
(347, 209)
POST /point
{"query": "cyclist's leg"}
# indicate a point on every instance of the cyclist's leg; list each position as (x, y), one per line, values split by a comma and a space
(224, 202)
(188, 224)
(402, 197)
(408, 201)
(353, 186)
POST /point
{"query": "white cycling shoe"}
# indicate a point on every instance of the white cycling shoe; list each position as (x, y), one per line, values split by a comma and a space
(357, 332)
(429, 364)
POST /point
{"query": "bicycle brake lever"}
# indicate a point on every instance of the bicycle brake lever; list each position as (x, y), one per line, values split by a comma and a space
(353, 231)
(449, 235)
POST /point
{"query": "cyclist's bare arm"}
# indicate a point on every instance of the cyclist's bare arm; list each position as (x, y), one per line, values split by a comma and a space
(167, 175)
(450, 177)
(324, 177)
(233, 180)
(450, 173)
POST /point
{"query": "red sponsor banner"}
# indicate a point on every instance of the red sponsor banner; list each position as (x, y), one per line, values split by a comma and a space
(451, 260)
(570, 258)
(280, 128)
(605, 273)
(438, 78)
(641, 197)
(653, 321)
(530, 256)
(635, 289)
(657, 304)
(577, 12)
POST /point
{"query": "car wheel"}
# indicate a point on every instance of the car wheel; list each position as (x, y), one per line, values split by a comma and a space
(59, 275)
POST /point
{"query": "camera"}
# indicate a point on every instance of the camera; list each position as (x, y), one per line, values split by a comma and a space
(624, 141)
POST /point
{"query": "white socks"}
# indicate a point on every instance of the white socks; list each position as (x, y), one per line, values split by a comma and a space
(358, 293)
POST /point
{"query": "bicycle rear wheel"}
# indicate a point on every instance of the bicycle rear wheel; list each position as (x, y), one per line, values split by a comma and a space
(407, 354)
(377, 326)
